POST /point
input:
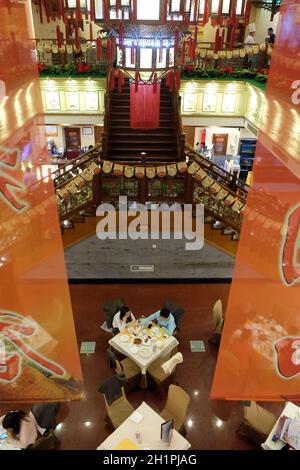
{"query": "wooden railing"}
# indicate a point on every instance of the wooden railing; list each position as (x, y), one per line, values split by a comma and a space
(179, 127)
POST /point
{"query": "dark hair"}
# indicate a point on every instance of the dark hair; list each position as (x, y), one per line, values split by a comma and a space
(123, 311)
(12, 420)
(165, 312)
(270, 29)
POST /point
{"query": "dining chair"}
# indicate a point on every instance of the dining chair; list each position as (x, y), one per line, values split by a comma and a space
(110, 309)
(218, 322)
(161, 373)
(257, 423)
(176, 407)
(177, 313)
(128, 371)
(118, 408)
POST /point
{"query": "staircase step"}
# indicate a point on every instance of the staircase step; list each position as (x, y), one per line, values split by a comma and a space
(150, 142)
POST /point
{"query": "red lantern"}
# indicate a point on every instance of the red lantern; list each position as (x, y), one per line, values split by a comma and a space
(41, 11)
(232, 35)
(47, 10)
(99, 48)
(206, 13)
(77, 44)
(233, 12)
(247, 12)
(220, 12)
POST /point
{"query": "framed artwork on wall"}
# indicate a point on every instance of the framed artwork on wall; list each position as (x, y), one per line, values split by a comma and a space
(91, 101)
(228, 103)
(51, 131)
(72, 100)
(52, 100)
(190, 102)
(87, 131)
(209, 102)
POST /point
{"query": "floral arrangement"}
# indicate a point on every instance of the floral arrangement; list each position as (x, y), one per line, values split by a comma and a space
(260, 75)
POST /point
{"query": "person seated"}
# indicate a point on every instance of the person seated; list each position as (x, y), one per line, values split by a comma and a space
(121, 319)
(21, 428)
(164, 320)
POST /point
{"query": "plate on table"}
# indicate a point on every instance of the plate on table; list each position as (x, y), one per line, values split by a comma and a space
(145, 352)
(155, 329)
(124, 338)
(137, 341)
(134, 349)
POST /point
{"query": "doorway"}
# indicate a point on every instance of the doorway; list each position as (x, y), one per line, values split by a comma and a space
(189, 132)
(220, 144)
(72, 137)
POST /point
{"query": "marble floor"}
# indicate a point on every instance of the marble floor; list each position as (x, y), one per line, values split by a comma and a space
(210, 424)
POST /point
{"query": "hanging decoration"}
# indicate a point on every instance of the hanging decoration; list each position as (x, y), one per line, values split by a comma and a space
(58, 36)
(91, 31)
(112, 80)
(99, 48)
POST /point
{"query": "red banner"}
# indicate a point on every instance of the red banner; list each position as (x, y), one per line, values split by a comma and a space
(39, 359)
(259, 358)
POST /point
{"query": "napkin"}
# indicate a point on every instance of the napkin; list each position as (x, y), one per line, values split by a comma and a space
(136, 417)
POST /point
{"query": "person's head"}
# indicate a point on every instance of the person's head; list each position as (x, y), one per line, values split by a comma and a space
(125, 313)
(164, 314)
(12, 421)
(270, 31)
(252, 34)
(197, 144)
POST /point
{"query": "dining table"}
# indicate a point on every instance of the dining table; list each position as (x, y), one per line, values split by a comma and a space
(144, 345)
(142, 431)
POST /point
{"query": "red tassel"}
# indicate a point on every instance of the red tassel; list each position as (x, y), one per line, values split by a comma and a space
(221, 43)
(99, 48)
(92, 10)
(247, 12)
(112, 80)
(177, 80)
(136, 81)
(164, 15)
(216, 46)
(195, 42)
(118, 7)
(106, 12)
(191, 48)
(59, 9)
(63, 13)
(47, 10)
(134, 10)
(78, 11)
(220, 12)
(132, 54)
(91, 32)
(58, 35)
(233, 12)
(41, 11)
(183, 53)
(206, 13)
(232, 35)
(77, 44)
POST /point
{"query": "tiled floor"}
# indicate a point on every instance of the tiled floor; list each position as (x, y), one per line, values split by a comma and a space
(212, 424)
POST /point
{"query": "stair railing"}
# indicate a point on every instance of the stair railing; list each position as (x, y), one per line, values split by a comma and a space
(179, 126)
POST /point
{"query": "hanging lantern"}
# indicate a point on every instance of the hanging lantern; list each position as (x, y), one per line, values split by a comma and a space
(91, 31)
(222, 38)
(232, 35)
(99, 48)
(105, 10)
(67, 31)
(41, 11)
(63, 13)
(247, 12)
(220, 12)
(233, 12)
(195, 43)
(77, 45)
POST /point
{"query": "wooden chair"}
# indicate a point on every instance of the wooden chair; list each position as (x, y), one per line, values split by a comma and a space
(177, 313)
(176, 407)
(126, 369)
(118, 411)
(257, 424)
(159, 377)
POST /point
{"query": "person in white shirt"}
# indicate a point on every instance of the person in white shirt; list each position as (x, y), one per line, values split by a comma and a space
(121, 319)
(250, 38)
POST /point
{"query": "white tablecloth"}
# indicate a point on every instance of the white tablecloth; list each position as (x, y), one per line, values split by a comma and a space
(143, 362)
(149, 429)
(291, 411)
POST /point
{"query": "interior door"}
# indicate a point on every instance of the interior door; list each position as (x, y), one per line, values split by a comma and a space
(189, 132)
(72, 136)
(220, 144)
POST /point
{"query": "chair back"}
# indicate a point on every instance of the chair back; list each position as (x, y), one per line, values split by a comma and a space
(218, 317)
(111, 308)
(169, 366)
(176, 311)
(178, 402)
(111, 358)
(259, 419)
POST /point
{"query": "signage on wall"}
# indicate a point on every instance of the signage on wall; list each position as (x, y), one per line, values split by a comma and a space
(259, 358)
